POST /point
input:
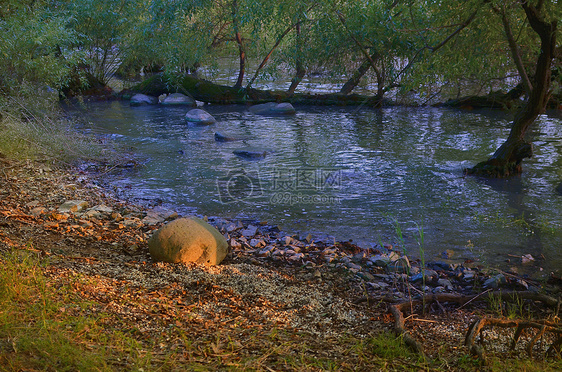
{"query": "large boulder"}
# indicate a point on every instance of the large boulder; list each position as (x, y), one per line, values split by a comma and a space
(143, 99)
(188, 240)
(200, 117)
(178, 99)
(273, 109)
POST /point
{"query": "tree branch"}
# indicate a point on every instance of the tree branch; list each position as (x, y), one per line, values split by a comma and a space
(459, 29)
(515, 53)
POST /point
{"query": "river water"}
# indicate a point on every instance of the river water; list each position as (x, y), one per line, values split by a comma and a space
(375, 176)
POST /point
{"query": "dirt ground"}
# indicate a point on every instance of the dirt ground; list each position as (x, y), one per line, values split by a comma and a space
(244, 307)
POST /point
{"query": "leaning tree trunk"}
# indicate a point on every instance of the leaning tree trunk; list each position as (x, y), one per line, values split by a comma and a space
(241, 50)
(357, 75)
(507, 159)
(301, 71)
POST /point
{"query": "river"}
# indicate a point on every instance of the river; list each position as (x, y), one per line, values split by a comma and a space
(392, 175)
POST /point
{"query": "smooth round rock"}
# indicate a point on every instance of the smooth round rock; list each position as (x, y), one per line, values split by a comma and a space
(188, 240)
(143, 100)
(200, 117)
(273, 109)
(178, 99)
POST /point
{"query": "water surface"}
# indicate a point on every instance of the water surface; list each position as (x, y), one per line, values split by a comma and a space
(353, 173)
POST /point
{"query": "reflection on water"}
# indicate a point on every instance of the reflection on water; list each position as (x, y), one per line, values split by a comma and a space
(347, 173)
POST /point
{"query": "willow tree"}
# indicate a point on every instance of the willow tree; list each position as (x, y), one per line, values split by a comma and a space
(542, 18)
(36, 49)
(104, 28)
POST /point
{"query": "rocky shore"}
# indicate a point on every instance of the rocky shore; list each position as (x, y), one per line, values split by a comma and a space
(269, 279)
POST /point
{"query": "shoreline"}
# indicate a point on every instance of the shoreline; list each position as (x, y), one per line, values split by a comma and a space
(328, 292)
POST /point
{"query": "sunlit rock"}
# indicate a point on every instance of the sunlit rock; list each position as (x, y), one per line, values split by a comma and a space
(73, 206)
(188, 240)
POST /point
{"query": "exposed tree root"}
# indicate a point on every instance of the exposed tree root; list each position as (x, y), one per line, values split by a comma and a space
(542, 326)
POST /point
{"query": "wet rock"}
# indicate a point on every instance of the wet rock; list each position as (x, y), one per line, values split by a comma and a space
(400, 266)
(178, 99)
(73, 206)
(427, 275)
(200, 117)
(250, 153)
(188, 240)
(273, 109)
(143, 100)
(495, 281)
(222, 138)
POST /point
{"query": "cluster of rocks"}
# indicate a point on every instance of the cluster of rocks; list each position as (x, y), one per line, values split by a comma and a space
(79, 215)
(200, 117)
(380, 270)
(377, 269)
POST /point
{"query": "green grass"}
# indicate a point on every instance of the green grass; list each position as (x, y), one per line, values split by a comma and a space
(35, 129)
(35, 331)
(45, 324)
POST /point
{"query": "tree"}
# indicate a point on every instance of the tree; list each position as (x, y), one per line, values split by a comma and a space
(506, 161)
(36, 48)
(104, 28)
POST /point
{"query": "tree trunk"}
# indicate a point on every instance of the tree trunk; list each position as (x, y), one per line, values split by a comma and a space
(205, 91)
(357, 75)
(507, 159)
(301, 71)
(241, 49)
(266, 58)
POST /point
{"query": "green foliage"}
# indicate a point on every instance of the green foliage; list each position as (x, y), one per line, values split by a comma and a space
(36, 48)
(106, 31)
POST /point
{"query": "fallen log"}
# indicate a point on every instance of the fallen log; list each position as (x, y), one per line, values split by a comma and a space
(208, 92)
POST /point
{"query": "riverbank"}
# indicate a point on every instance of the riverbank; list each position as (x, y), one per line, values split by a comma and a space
(276, 302)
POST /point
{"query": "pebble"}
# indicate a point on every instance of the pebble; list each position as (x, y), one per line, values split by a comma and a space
(73, 206)
(495, 281)
(250, 231)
